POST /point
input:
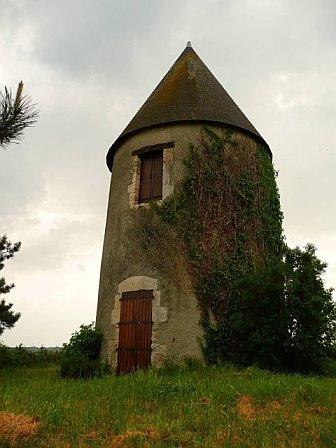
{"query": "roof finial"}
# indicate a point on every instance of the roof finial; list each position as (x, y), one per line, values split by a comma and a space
(188, 44)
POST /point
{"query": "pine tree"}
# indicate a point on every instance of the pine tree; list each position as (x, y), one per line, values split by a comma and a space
(16, 114)
(7, 316)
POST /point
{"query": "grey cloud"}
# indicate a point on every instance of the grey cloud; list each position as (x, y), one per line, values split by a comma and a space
(49, 249)
(86, 38)
(90, 65)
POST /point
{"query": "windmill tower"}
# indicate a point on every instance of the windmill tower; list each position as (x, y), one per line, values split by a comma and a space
(145, 320)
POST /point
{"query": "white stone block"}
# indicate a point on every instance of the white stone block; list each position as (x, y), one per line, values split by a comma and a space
(160, 314)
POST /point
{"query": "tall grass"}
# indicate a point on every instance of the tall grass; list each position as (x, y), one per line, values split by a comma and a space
(204, 407)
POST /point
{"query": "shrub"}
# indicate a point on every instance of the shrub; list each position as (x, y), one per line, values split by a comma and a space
(282, 319)
(80, 357)
(21, 356)
(87, 341)
(81, 366)
(5, 356)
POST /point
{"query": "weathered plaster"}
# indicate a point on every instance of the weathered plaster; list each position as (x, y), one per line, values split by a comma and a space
(178, 336)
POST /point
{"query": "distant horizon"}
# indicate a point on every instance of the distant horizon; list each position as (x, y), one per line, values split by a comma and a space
(34, 346)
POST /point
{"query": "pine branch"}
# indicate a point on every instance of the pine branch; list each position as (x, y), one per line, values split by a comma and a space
(7, 315)
(16, 114)
(7, 249)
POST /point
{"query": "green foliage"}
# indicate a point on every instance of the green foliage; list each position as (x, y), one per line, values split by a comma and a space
(271, 232)
(261, 302)
(227, 212)
(80, 357)
(77, 366)
(7, 317)
(87, 341)
(284, 318)
(21, 356)
(311, 309)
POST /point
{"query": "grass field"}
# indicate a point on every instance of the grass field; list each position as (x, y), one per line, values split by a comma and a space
(208, 407)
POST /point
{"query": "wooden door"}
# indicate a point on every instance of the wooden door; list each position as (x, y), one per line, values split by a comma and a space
(135, 331)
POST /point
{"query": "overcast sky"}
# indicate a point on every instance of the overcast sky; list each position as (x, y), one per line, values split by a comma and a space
(90, 64)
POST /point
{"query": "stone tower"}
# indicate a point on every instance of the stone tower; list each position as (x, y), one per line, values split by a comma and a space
(144, 318)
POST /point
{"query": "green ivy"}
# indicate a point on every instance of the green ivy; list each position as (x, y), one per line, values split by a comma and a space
(271, 232)
(261, 302)
(249, 196)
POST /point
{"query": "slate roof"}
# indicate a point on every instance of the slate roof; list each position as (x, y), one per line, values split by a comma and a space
(189, 92)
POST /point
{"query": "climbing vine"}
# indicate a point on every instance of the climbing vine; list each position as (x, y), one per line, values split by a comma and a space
(226, 219)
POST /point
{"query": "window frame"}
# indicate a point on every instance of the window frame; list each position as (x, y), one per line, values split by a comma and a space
(167, 187)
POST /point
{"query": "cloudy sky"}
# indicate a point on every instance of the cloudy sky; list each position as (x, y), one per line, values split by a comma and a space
(90, 64)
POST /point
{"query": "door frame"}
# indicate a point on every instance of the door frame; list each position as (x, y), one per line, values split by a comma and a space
(135, 331)
(160, 317)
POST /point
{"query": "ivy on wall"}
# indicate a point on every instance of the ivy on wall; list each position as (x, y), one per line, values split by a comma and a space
(220, 235)
(225, 217)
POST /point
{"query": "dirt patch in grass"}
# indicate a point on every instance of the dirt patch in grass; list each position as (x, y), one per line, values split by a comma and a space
(14, 428)
(245, 407)
(118, 441)
(205, 401)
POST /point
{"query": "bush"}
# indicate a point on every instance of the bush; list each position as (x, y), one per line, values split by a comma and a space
(81, 366)
(80, 357)
(5, 356)
(283, 318)
(21, 356)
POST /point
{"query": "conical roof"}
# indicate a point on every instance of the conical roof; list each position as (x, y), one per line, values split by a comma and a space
(188, 93)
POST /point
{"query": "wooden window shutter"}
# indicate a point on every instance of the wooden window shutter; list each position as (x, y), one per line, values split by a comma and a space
(157, 165)
(145, 179)
(151, 176)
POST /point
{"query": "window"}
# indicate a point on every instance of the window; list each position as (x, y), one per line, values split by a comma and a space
(151, 176)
